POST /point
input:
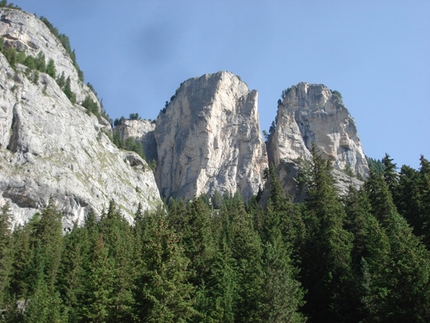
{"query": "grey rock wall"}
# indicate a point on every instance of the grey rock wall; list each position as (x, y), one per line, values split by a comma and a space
(50, 147)
(209, 139)
(312, 114)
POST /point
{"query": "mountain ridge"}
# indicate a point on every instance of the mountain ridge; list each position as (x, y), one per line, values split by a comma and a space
(207, 139)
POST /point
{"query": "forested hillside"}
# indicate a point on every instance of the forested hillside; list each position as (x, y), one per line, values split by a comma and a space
(362, 258)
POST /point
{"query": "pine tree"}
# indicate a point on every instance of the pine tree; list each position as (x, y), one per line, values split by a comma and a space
(221, 287)
(48, 233)
(326, 273)
(119, 240)
(50, 69)
(424, 199)
(406, 280)
(6, 253)
(245, 245)
(163, 293)
(68, 91)
(44, 303)
(390, 174)
(281, 293)
(97, 306)
(71, 281)
(22, 260)
(370, 255)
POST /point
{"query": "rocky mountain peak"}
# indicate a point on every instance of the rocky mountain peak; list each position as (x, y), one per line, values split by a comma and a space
(51, 146)
(208, 139)
(313, 114)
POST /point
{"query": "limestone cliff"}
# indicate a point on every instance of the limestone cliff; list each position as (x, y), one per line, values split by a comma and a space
(143, 131)
(208, 138)
(311, 113)
(51, 147)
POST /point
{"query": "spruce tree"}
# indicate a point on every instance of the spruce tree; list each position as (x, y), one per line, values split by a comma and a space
(326, 273)
(71, 281)
(406, 279)
(98, 304)
(6, 254)
(245, 245)
(48, 233)
(163, 293)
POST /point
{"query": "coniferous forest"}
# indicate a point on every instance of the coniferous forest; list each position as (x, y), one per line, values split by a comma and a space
(363, 257)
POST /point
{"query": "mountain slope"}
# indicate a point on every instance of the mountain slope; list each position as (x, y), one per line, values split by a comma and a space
(52, 147)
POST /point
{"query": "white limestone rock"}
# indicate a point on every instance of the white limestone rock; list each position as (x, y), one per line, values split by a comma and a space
(25, 32)
(208, 139)
(311, 113)
(50, 147)
(140, 130)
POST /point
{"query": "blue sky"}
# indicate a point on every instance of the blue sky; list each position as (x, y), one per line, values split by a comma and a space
(376, 53)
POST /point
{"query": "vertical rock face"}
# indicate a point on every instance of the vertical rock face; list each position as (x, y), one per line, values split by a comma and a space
(143, 131)
(311, 113)
(208, 138)
(51, 147)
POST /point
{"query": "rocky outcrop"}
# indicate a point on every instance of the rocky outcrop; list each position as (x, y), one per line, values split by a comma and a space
(313, 114)
(51, 147)
(24, 32)
(141, 130)
(208, 139)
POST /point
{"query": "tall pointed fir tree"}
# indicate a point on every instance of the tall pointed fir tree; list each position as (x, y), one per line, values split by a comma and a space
(246, 250)
(163, 293)
(407, 276)
(119, 239)
(326, 262)
(72, 279)
(98, 295)
(282, 295)
(6, 254)
(370, 255)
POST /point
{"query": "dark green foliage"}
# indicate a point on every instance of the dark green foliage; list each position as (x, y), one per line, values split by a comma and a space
(375, 165)
(98, 303)
(119, 121)
(162, 291)
(335, 92)
(135, 116)
(91, 105)
(64, 40)
(284, 94)
(6, 253)
(3, 3)
(219, 260)
(326, 261)
(134, 145)
(405, 278)
(50, 69)
(11, 55)
(391, 176)
(68, 91)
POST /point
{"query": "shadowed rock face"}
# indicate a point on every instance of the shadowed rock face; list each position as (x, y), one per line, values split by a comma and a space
(208, 139)
(311, 113)
(143, 131)
(50, 147)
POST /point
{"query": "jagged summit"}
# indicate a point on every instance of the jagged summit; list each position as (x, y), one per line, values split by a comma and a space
(312, 113)
(208, 139)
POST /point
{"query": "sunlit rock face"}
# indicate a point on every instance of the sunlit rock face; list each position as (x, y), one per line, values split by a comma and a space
(208, 139)
(51, 147)
(313, 114)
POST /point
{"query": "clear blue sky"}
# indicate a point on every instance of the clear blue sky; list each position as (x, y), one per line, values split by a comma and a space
(376, 53)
